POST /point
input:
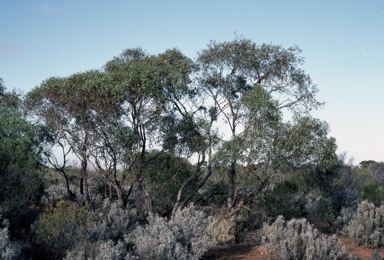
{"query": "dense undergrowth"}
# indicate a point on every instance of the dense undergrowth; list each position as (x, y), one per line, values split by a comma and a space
(103, 229)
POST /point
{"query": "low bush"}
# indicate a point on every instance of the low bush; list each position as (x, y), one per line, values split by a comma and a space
(322, 209)
(222, 231)
(183, 237)
(104, 250)
(111, 221)
(297, 239)
(77, 231)
(343, 198)
(367, 225)
(193, 224)
(8, 249)
(374, 193)
(341, 221)
(281, 200)
(60, 228)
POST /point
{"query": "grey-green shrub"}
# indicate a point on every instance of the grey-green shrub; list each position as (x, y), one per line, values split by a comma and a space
(367, 225)
(71, 228)
(183, 237)
(157, 240)
(106, 250)
(111, 221)
(8, 249)
(340, 223)
(297, 239)
(193, 224)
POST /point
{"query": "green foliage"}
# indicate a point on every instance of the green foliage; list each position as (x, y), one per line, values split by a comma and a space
(2, 87)
(60, 228)
(366, 164)
(266, 142)
(310, 152)
(374, 193)
(352, 178)
(280, 201)
(164, 174)
(20, 180)
(112, 118)
(343, 198)
(322, 209)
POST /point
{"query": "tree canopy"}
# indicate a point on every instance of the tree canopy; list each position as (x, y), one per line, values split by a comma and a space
(20, 179)
(113, 118)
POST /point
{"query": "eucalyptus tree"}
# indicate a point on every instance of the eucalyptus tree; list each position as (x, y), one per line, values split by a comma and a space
(134, 73)
(161, 107)
(66, 107)
(269, 76)
(20, 172)
(187, 125)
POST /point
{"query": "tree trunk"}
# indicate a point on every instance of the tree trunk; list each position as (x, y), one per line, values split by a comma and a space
(110, 191)
(179, 203)
(231, 186)
(190, 196)
(84, 188)
(70, 193)
(119, 193)
(81, 185)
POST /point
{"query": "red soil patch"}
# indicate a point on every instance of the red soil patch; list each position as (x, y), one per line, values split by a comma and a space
(257, 252)
(359, 251)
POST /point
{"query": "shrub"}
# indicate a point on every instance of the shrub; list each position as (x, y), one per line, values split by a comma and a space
(222, 231)
(157, 240)
(296, 239)
(8, 249)
(78, 232)
(60, 228)
(183, 237)
(322, 209)
(111, 221)
(343, 198)
(340, 223)
(373, 193)
(106, 250)
(367, 225)
(193, 224)
(337, 209)
(281, 200)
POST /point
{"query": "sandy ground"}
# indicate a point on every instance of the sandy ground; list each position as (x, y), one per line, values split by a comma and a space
(257, 252)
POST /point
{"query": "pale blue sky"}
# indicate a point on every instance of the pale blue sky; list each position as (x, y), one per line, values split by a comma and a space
(342, 41)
